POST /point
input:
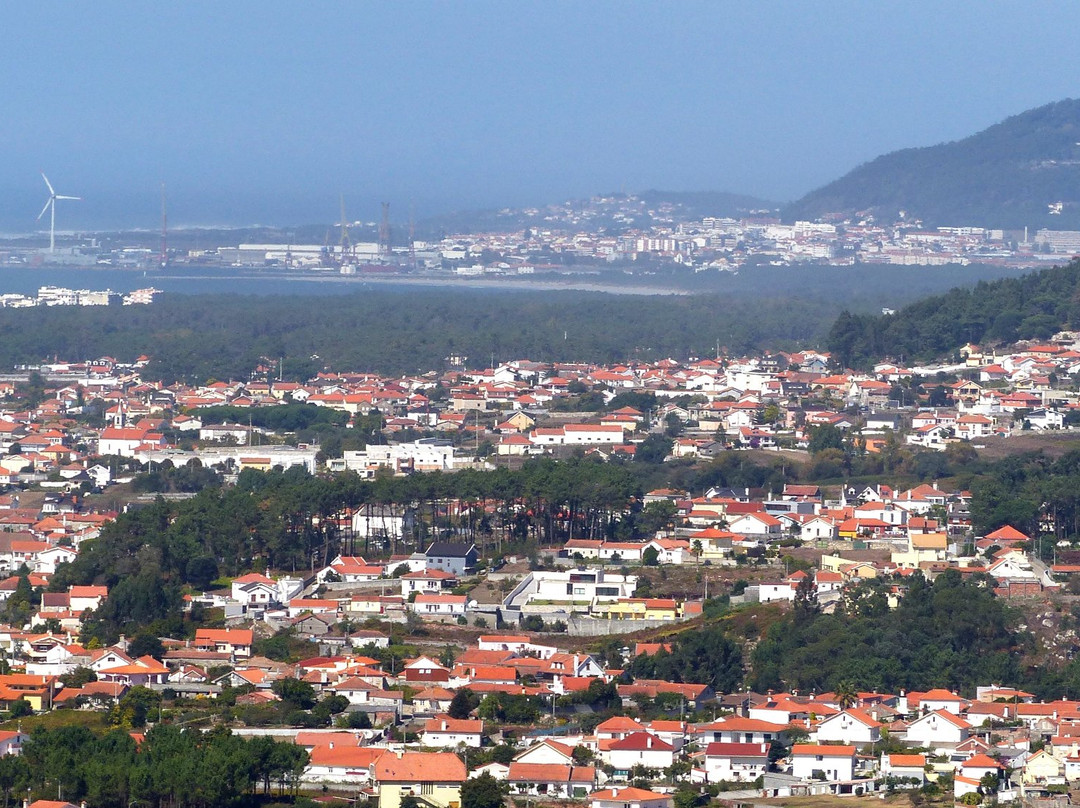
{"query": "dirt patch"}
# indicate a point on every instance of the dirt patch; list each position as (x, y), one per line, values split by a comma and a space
(828, 800)
(687, 582)
(1053, 444)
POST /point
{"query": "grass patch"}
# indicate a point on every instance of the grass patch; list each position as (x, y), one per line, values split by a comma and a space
(91, 719)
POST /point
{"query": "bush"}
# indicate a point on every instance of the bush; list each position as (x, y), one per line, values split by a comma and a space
(20, 708)
(533, 622)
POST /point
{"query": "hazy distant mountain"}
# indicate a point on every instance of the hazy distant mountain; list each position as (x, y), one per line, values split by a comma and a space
(1009, 175)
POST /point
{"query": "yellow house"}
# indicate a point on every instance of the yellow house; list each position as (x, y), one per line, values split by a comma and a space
(848, 568)
(1042, 768)
(34, 689)
(922, 548)
(715, 544)
(639, 609)
(435, 778)
(257, 463)
(521, 421)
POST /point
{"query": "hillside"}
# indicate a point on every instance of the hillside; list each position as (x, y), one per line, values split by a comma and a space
(1034, 306)
(1005, 176)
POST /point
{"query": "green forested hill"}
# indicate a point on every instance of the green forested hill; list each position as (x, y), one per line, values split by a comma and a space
(1004, 176)
(1033, 306)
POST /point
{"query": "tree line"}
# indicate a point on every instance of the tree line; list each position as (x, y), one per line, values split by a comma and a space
(197, 338)
(168, 768)
(291, 521)
(1033, 306)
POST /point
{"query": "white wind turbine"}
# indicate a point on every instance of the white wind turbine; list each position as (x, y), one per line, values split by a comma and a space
(51, 203)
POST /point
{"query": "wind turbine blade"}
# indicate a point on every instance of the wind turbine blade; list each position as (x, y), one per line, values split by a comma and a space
(49, 202)
(70, 197)
(51, 191)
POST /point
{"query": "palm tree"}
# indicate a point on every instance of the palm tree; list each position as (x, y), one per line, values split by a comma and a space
(846, 695)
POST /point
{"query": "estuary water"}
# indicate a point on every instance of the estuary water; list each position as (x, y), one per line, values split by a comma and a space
(196, 280)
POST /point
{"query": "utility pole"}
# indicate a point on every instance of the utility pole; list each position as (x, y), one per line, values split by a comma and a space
(345, 242)
(163, 259)
(412, 237)
(384, 231)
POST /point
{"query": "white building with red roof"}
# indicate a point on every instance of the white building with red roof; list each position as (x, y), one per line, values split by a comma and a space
(629, 797)
(738, 762)
(851, 726)
(445, 732)
(815, 761)
(638, 749)
(428, 604)
(939, 730)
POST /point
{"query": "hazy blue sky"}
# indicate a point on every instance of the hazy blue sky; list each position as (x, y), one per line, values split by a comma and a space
(266, 111)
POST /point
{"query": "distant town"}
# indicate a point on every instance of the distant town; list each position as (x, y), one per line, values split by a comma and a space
(608, 231)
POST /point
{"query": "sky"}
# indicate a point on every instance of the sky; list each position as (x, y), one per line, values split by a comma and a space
(266, 112)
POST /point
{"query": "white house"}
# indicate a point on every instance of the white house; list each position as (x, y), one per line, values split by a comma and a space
(939, 730)
(254, 589)
(906, 767)
(756, 524)
(639, 749)
(87, 597)
(628, 797)
(520, 644)
(1042, 418)
(834, 762)
(671, 551)
(48, 560)
(551, 780)
(739, 762)
(853, 727)
(820, 528)
(736, 729)
(445, 732)
(437, 605)
(775, 590)
(432, 580)
(338, 763)
(11, 742)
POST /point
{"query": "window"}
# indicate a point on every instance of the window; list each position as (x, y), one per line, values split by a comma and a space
(427, 788)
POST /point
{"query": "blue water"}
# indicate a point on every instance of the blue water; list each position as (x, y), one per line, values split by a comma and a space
(185, 280)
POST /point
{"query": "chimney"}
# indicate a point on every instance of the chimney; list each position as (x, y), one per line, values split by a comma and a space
(648, 743)
(614, 791)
